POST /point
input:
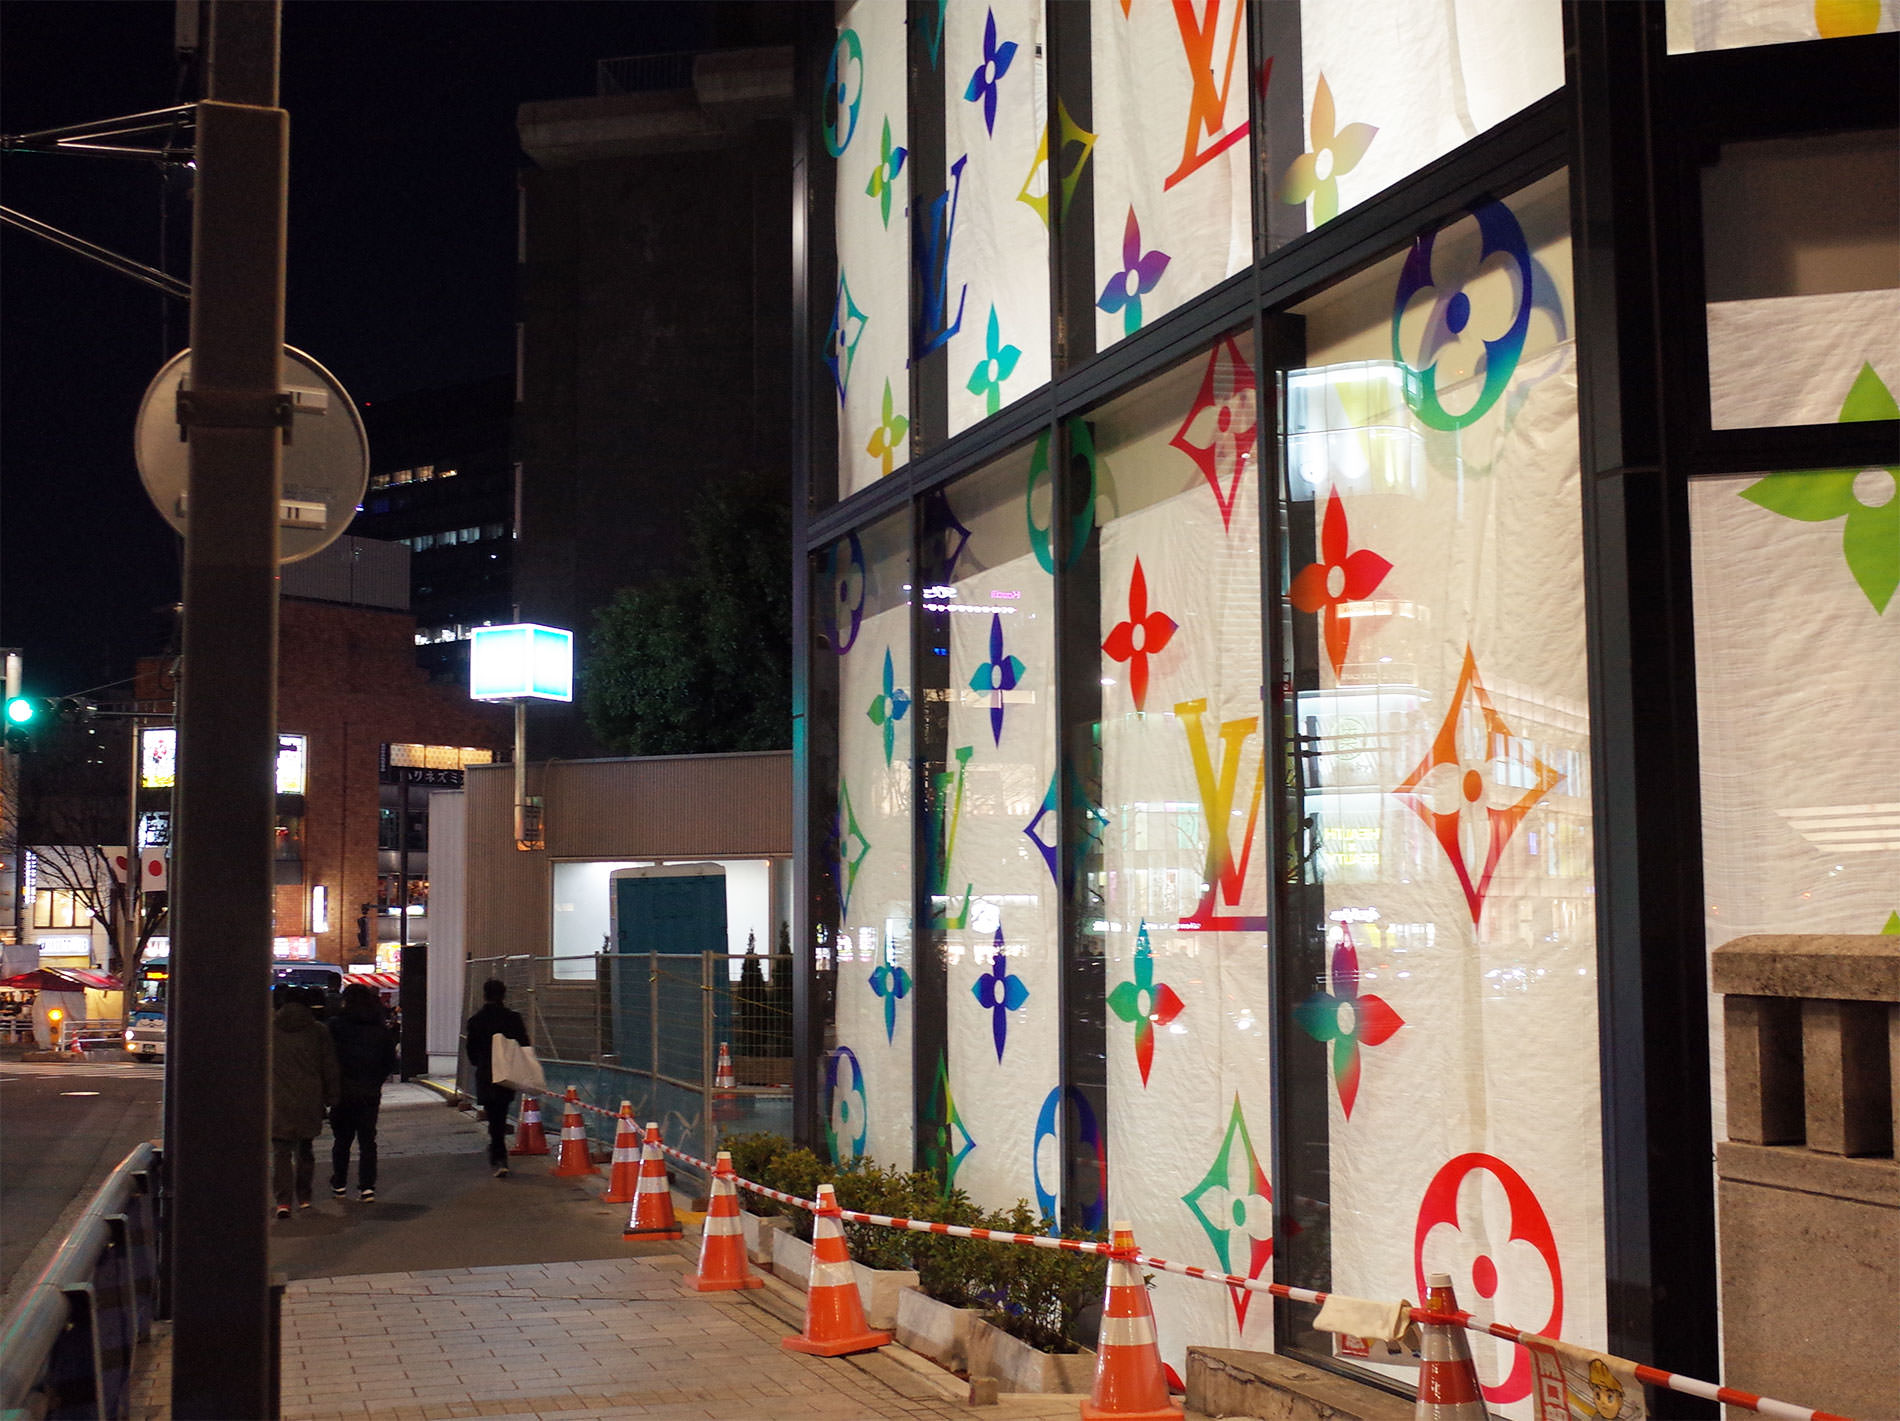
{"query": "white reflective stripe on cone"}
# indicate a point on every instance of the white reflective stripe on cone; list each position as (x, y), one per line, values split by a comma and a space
(1127, 1331)
(652, 1184)
(832, 1275)
(1122, 1274)
(718, 1227)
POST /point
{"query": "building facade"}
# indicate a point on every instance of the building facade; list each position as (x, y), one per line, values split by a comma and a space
(363, 736)
(1320, 616)
(442, 483)
(655, 297)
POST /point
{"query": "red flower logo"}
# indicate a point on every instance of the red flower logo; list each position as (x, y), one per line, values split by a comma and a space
(1338, 577)
(1141, 636)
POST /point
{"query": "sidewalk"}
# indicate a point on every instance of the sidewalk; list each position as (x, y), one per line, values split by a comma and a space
(457, 1294)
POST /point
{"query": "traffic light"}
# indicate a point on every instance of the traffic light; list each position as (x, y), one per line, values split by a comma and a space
(25, 715)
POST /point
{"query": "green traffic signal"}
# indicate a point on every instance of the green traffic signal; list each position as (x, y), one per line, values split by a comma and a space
(24, 710)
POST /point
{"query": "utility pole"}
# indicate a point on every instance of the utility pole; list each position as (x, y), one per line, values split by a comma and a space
(218, 1036)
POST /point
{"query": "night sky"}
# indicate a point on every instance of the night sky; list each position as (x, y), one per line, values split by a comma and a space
(401, 265)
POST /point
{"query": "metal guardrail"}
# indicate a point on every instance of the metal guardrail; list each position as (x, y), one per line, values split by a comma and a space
(71, 1343)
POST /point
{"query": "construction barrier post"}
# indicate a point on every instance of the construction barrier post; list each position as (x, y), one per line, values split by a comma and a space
(574, 1157)
(834, 1314)
(652, 1216)
(623, 1177)
(1448, 1386)
(1130, 1384)
(722, 1264)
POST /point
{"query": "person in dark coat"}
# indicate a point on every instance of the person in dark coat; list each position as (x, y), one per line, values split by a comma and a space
(303, 1086)
(492, 1020)
(365, 1057)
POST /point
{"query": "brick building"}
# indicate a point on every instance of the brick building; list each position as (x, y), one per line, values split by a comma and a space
(361, 722)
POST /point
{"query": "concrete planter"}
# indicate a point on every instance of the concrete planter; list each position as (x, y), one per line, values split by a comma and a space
(759, 1229)
(878, 1288)
(935, 1330)
(1016, 1366)
(791, 1258)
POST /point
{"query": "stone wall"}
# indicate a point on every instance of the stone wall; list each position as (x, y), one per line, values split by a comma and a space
(1809, 1190)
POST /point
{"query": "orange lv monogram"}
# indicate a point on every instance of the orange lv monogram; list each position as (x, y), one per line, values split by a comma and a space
(1226, 878)
(1208, 135)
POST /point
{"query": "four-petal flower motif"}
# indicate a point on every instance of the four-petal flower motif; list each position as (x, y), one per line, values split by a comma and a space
(1481, 1222)
(1143, 635)
(1218, 433)
(996, 366)
(1348, 1019)
(889, 706)
(1000, 991)
(883, 184)
(997, 676)
(892, 983)
(1868, 500)
(841, 341)
(887, 440)
(947, 1140)
(1144, 1003)
(1473, 734)
(1460, 314)
(1340, 576)
(847, 1120)
(845, 829)
(1233, 1204)
(986, 76)
(1335, 150)
(1140, 271)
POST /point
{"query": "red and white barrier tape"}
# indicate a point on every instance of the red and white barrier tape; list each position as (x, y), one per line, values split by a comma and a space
(1653, 1376)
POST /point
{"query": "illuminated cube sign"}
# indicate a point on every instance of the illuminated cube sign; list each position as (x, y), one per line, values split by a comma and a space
(521, 663)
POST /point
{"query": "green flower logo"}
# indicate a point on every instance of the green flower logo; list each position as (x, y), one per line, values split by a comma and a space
(1868, 499)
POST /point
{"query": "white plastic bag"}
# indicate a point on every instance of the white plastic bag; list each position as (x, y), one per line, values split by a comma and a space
(513, 1065)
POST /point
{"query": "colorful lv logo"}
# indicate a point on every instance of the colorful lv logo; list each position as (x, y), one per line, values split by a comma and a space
(1207, 133)
(1223, 875)
(937, 224)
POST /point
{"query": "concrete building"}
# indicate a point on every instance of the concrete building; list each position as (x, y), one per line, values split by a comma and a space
(442, 483)
(655, 302)
(1324, 604)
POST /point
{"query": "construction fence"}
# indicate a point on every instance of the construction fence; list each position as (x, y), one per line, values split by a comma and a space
(647, 1028)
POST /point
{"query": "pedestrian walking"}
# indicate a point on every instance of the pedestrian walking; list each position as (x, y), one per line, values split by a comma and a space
(365, 1057)
(494, 1019)
(303, 1086)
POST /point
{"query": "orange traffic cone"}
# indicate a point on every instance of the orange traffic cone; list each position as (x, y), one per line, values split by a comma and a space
(834, 1314)
(722, 1240)
(1448, 1386)
(652, 1216)
(623, 1180)
(528, 1137)
(1130, 1384)
(574, 1158)
(725, 1105)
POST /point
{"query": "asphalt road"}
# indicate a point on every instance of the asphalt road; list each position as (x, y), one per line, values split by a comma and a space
(62, 1130)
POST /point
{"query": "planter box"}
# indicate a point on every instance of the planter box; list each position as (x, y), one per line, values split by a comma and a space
(878, 1288)
(935, 1330)
(759, 1229)
(1016, 1366)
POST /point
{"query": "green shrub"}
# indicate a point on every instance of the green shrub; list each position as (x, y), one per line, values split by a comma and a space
(797, 1171)
(1036, 1294)
(752, 1156)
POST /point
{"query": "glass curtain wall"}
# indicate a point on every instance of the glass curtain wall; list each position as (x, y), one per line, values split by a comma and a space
(1441, 981)
(1219, 708)
(866, 957)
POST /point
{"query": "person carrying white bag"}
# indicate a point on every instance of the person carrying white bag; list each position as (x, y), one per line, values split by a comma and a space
(495, 1024)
